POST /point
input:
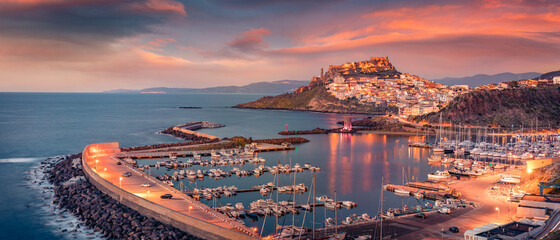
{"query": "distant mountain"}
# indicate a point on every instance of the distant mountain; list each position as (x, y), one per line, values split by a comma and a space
(484, 79)
(276, 87)
(549, 75)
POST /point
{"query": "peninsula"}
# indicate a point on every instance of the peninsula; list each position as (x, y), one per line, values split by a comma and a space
(372, 86)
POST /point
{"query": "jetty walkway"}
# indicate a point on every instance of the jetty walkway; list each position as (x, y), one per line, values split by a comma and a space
(99, 162)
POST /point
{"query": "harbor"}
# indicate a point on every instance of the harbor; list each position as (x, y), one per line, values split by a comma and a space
(198, 175)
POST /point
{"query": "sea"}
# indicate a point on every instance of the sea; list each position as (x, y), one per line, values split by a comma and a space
(354, 167)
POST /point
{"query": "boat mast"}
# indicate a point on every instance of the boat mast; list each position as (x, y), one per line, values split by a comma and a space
(381, 213)
(277, 180)
(314, 203)
(294, 200)
(335, 214)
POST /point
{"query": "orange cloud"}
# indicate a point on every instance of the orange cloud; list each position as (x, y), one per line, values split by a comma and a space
(162, 42)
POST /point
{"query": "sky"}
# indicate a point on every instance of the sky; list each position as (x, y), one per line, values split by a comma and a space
(97, 45)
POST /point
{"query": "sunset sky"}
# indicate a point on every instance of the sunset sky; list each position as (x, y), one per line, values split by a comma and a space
(89, 45)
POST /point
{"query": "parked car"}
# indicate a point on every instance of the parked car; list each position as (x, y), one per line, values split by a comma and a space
(146, 185)
(166, 196)
(119, 163)
(127, 174)
(421, 215)
(454, 229)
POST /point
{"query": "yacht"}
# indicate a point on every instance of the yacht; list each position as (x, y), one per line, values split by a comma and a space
(439, 175)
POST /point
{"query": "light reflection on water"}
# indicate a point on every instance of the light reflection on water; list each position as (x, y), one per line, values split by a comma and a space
(352, 165)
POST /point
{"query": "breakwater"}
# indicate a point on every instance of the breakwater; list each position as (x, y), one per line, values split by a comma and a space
(187, 131)
(303, 132)
(188, 134)
(99, 211)
(167, 145)
(183, 212)
(278, 141)
(193, 126)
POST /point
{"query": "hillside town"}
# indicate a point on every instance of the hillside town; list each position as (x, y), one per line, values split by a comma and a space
(376, 81)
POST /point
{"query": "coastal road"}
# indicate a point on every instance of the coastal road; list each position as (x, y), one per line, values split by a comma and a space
(489, 208)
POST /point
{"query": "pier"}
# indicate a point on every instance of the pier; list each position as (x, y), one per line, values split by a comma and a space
(99, 163)
(426, 194)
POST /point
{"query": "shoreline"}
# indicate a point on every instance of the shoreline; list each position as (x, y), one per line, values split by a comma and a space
(97, 213)
(307, 110)
(59, 219)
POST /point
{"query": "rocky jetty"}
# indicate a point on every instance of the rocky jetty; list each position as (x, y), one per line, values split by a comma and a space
(193, 126)
(185, 136)
(278, 141)
(167, 145)
(504, 108)
(100, 212)
(189, 108)
(303, 132)
(387, 124)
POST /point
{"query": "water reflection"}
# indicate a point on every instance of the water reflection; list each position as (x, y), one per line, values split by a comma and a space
(352, 165)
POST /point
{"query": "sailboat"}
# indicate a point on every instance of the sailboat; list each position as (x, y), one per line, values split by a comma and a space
(438, 144)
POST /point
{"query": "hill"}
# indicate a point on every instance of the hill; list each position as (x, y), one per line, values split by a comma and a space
(276, 87)
(315, 96)
(504, 108)
(315, 99)
(548, 75)
(484, 79)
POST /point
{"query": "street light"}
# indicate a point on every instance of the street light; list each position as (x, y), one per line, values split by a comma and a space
(120, 182)
(105, 172)
(96, 161)
(148, 195)
(498, 209)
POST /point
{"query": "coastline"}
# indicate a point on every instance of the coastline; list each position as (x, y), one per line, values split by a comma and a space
(63, 223)
(309, 110)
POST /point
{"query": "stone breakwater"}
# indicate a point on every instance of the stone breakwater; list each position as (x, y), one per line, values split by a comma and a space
(278, 141)
(167, 145)
(99, 211)
(302, 132)
(193, 126)
(183, 135)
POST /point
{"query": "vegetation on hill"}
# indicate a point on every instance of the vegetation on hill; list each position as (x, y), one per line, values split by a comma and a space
(503, 108)
(314, 99)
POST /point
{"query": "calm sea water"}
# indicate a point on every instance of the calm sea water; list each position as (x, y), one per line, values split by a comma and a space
(38, 125)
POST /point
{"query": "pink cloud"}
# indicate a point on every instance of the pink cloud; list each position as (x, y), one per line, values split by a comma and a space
(250, 40)
(162, 42)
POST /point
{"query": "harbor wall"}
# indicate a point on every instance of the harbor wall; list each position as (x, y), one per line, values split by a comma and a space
(147, 208)
(195, 133)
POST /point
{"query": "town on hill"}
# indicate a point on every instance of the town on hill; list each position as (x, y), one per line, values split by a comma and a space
(375, 86)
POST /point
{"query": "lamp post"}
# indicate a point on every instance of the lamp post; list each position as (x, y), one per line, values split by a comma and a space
(120, 182)
(96, 161)
(147, 194)
(498, 209)
(105, 172)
